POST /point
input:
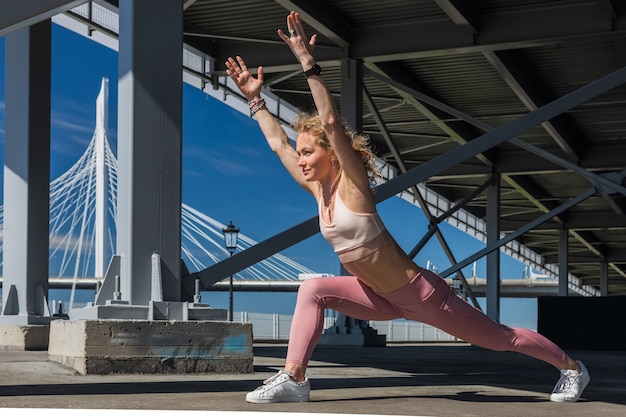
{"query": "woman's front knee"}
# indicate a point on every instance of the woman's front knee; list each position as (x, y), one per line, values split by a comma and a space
(324, 291)
(313, 288)
(311, 285)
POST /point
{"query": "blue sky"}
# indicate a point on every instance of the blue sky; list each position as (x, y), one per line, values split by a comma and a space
(229, 173)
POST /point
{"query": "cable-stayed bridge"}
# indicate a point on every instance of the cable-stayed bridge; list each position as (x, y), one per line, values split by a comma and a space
(83, 212)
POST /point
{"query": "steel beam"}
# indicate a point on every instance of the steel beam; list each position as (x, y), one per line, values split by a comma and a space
(604, 279)
(15, 15)
(493, 258)
(563, 266)
(529, 226)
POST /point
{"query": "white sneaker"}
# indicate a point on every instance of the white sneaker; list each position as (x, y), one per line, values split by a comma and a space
(570, 385)
(280, 389)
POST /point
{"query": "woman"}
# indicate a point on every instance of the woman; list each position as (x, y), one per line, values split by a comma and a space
(334, 165)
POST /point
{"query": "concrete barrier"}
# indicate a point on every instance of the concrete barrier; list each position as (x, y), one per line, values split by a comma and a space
(142, 346)
(24, 337)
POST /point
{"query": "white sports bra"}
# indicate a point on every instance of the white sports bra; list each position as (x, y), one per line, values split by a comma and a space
(353, 235)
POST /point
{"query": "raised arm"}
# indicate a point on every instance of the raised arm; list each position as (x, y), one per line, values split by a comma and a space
(275, 135)
(350, 161)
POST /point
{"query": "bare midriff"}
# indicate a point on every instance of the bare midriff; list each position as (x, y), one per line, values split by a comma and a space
(385, 270)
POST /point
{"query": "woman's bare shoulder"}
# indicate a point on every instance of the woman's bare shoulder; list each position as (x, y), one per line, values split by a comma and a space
(356, 197)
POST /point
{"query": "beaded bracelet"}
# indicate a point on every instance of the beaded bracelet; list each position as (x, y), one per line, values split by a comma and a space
(256, 105)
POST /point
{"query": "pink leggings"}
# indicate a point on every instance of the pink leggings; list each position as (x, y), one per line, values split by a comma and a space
(427, 298)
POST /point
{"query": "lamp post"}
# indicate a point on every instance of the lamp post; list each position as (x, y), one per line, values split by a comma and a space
(230, 241)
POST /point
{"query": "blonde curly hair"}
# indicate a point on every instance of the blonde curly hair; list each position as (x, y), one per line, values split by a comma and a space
(311, 123)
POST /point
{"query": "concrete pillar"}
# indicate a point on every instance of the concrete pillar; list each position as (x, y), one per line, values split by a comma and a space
(27, 176)
(150, 147)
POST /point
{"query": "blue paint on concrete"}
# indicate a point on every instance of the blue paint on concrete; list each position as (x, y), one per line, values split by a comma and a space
(236, 345)
(235, 341)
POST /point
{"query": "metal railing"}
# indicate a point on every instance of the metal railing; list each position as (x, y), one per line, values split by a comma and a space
(275, 327)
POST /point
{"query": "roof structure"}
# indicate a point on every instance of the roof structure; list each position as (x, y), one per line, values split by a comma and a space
(458, 95)
(436, 75)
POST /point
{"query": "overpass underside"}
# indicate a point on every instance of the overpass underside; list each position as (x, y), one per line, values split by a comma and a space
(476, 145)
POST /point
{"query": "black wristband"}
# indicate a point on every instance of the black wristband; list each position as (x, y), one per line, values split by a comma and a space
(314, 70)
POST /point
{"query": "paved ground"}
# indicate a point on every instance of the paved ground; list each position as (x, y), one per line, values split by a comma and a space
(410, 380)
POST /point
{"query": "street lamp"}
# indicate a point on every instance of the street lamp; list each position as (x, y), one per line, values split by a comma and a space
(230, 240)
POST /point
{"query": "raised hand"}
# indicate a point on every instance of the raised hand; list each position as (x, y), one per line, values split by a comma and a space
(301, 46)
(238, 72)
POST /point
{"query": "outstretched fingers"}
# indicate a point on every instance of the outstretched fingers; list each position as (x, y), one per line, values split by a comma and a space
(296, 37)
(291, 29)
(242, 64)
(237, 70)
(231, 67)
(234, 68)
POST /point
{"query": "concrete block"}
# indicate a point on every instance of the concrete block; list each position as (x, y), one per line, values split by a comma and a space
(204, 312)
(141, 346)
(110, 311)
(24, 337)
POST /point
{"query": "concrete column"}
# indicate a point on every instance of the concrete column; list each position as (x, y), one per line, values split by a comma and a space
(149, 147)
(493, 258)
(27, 176)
